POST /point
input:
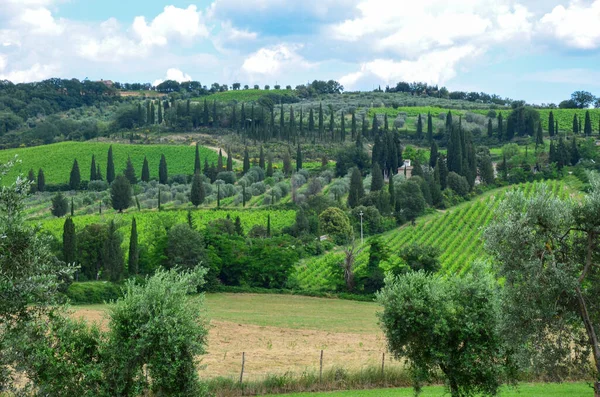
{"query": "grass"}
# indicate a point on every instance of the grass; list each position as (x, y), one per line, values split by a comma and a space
(242, 95)
(524, 390)
(57, 159)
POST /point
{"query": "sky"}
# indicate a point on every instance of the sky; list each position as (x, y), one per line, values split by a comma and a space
(537, 50)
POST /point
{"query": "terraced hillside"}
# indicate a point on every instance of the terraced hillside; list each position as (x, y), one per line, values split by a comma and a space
(457, 232)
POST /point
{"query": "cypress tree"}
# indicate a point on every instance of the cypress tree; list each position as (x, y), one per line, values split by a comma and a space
(246, 161)
(148, 113)
(282, 134)
(243, 195)
(343, 127)
(587, 126)
(270, 167)
(163, 175)
(575, 124)
(292, 128)
(214, 114)
(159, 206)
(443, 172)
(160, 112)
(386, 126)
(374, 127)
(551, 124)
(197, 160)
(110, 166)
(552, 153)
(562, 153)
(93, 175)
(41, 181)
(134, 253)
(301, 126)
(239, 230)
(98, 173)
(417, 168)
(357, 190)
(75, 178)
(429, 127)
(490, 128)
(140, 115)
(197, 194)
(575, 156)
(60, 206)
(321, 124)
(206, 168)
(419, 127)
(449, 126)
(500, 122)
(220, 161)
(433, 155)
(298, 159)
(539, 136)
(113, 260)
(311, 122)
(364, 127)
(145, 171)
(376, 178)
(392, 192)
(455, 155)
(130, 172)
(243, 117)
(287, 163)
(152, 113)
(234, 121)
(261, 159)
(229, 161)
(69, 241)
(268, 225)
(32, 181)
(120, 193)
(353, 126)
(331, 124)
(218, 196)
(72, 207)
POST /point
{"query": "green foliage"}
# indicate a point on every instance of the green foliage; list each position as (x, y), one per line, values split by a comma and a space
(110, 166)
(93, 292)
(75, 177)
(334, 223)
(417, 257)
(120, 193)
(448, 325)
(458, 184)
(197, 195)
(185, 247)
(113, 258)
(130, 172)
(69, 241)
(357, 190)
(248, 95)
(60, 205)
(163, 173)
(134, 252)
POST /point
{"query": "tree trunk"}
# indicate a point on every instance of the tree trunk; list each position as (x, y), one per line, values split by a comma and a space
(597, 389)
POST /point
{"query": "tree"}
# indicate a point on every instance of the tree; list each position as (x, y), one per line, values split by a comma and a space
(268, 225)
(69, 242)
(539, 136)
(587, 127)
(114, 262)
(239, 230)
(75, 177)
(41, 181)
(500, 127)
(185, 247)
(169, 336)
(575, 125)
(261, 158)
(110, 166)
(145, 171)
(130, 172)
(197, 166)
(287, 163)
(270, 167)
(335, 224)
(93, 173)
(425, 321)
(60, 205)
(229, 161)
(134, 252)
(160, 112)
(551, 130)
(376, 178)
(433, 155)
(246, 167)
(298, 159)
(197, 193)
(582, 99)
(220, 161)
(356, 191)
(419, 127)
(373, 280)
(429, 127)
(163, 174)
(546, 251)
(120, 193)
(490, 129)
(418, 257)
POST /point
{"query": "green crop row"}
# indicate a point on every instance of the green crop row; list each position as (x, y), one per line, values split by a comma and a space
(242, 95)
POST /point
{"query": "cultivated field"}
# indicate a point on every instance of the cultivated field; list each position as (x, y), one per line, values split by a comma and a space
(243, 95)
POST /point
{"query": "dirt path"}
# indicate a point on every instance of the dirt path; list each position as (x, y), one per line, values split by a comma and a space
(216, 149)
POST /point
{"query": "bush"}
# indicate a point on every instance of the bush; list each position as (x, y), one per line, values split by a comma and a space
(227, 177)
(93, 292)
(458, 184)
(97, 186)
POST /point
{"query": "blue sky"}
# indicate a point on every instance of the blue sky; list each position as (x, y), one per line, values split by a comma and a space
(537, 50)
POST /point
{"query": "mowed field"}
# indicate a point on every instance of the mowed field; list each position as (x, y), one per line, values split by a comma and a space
(57, 159)
(281, 333)
(242, 95)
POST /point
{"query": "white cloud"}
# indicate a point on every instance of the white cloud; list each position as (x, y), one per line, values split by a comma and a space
(41, 21)
(272, 60)
(174, 74)
(36, 72)
(183, 23)
(576, 26)
(3, 62)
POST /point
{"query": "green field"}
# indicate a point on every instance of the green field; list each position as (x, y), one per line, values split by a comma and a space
(524, 390)
(151, 222)
(57, 159)
(242, 95)
(457, 232)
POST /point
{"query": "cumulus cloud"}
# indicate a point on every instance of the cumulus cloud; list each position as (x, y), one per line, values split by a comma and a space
(36, 72)
(183, 23)
(174, 74)
(269, 61)
(41, 21)
(576, 25)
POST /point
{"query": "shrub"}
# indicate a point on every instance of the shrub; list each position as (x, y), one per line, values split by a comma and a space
(97, 186)
(93, 292)
(226, 176)
(458, 184)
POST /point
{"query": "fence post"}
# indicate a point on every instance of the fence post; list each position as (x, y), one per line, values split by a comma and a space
(382, 363)
(321, 368)
(243, 362)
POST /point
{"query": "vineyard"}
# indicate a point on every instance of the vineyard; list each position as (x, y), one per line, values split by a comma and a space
(149, 223)
(456, 232)
(243, 95)
(57, 159)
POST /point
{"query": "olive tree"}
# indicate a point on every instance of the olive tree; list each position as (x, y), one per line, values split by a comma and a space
(448, 325)
(547, 250)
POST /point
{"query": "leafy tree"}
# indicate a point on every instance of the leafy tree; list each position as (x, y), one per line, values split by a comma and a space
(357, 190)
(110, 166)
(93, 173)
(120, 193)
(425, 321)
(373, 280)
(376, 178)
(458, 184)
(185, 247)
(145, 171)
(134, 252)
(163, 174)
(582, 99)
(114, 261)
(197, 194)
(60, 205)
(545, 249)
(418, 257)
(410, 202)
(130, 172)
(69, 241)
(75, 178)
(334, 223)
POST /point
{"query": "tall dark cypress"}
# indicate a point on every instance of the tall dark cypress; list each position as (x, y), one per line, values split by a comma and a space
(575, 125)
(539, 136)
(152, 113)
(243, 117)
(215, 116)
(75, 177)
(98, 173)
(145, 171)
(69, 241)
(160, 112)
(134, 252)
(292, 125)
(429, 127)
(246, 166)
(270, 167)
(93, 175)
(234, 121)
(148, 113)
(301, 123)
(376, 178)
(364, 128)
(357, 190)
(551, 124)
(197, 193)
(321, 124)
(110, 166)
(229, 160)
(113, 260)
(490, 131)
(298, 158)
(163, 174)
(587, 126)
(343, 127)
(268, 225)
(311, 122)
(261, 159)
(392, 192)
(331, 124)
(442, 168)
(433, 155)
(500, 132)
(220, 161)
(197, 164)
(374, 127)
(282, 133)
(419, 127)
(353, 126)
(130, 172)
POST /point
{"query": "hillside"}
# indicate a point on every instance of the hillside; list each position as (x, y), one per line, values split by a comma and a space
(249, 95)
